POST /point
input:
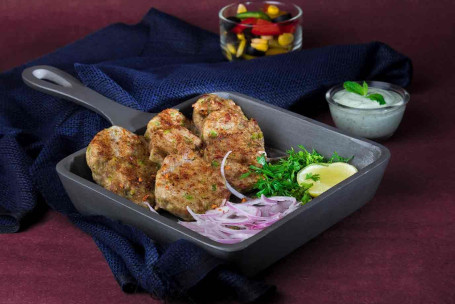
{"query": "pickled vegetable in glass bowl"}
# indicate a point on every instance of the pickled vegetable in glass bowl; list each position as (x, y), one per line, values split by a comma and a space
(253, 29)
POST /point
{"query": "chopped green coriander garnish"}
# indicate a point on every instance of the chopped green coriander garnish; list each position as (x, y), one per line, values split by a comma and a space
(256, 135)
(245, 175)
(188, 140)
(188, 196)
(280, 178)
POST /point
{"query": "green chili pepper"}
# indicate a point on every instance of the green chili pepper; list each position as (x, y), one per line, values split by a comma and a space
(257, 15)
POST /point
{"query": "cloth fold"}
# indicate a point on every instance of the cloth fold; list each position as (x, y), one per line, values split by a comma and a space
(150, 66)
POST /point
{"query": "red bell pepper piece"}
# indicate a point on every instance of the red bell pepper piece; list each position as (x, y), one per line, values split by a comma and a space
(288, 28)
(250, 20)
(266, 28)
(240, 27)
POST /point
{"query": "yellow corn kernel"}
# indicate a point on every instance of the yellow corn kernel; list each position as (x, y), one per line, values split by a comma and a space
(285, 39)
(258, 41)
(241, 48)
(231, 48)
(227, 53)
(260, 46)
(273, 10)
(241, 36)
(267, 37)
(274, 44)
(241, 9)
(275, 51)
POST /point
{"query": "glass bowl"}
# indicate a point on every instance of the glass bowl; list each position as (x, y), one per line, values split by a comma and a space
(372, 123)
(262, 28)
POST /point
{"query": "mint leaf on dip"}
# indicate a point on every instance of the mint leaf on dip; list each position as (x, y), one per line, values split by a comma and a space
(377, 97)
(354, 87)
(365, 88)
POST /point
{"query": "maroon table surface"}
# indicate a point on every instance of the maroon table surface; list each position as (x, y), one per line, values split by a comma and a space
(399, 248)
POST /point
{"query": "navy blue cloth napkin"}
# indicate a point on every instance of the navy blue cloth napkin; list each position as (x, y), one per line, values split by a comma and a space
(150, 66)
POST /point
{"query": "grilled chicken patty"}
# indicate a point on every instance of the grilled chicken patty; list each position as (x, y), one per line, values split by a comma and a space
(225, 131)
(210, 103)
(223, 122)
(166, 119)
(119, 162)
(169, 133)
(187, 180)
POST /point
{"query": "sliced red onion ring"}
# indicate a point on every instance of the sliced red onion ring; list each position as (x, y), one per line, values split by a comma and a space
(233, 223)
(150, 207)
(230, 188)
(274, 199)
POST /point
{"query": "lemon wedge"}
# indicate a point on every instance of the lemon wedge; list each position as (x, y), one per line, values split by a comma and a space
(328, 175)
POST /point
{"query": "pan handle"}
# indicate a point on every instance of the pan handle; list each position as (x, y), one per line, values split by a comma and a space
(58, 83)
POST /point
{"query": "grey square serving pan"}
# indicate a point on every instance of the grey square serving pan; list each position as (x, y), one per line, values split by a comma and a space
(282, 130)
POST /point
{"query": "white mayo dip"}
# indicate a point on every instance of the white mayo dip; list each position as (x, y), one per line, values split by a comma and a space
(360, 102)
